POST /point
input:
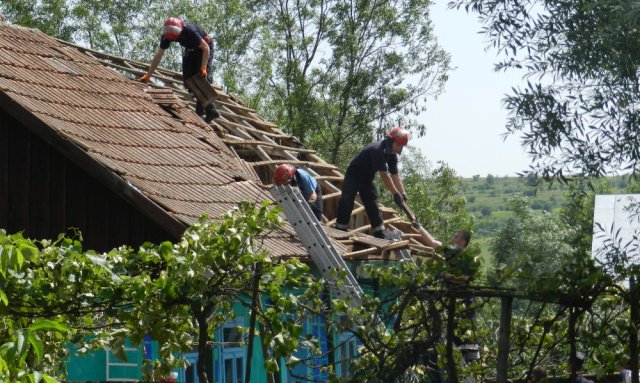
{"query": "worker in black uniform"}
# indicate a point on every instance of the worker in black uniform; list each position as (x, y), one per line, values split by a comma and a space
(379, 157)
(196, 58)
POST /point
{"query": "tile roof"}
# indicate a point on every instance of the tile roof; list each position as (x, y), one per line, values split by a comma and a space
(149, 136)
(171, 156)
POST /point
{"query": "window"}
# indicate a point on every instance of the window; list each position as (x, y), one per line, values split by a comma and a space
(232, 353)
(190, 373)
(347, 351)
(313, 366)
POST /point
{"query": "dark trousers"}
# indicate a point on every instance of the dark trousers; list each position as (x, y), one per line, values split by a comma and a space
(368, 195)
(191, 63)
(318, 207)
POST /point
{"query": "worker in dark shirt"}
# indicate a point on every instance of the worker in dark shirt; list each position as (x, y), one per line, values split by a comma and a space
(379, 157)
(310, 189)
(196, 58)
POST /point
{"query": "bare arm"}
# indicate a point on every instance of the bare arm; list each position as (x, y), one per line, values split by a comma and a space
(397, 182)
(155, 62)
(205, 53)
(428, 239)
(388, 182)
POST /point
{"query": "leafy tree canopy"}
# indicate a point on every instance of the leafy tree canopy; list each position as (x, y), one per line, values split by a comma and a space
(578, 112)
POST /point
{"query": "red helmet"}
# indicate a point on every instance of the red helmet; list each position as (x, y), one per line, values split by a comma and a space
(399, 136)
(284, 174)
(172, 28)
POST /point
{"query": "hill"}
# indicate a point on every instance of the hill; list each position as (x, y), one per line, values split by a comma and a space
(487, 198)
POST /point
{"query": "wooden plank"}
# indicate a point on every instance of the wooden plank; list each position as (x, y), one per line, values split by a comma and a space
(76, 198)
(235, 105)
(57, 193)
(397, 245)
(266, 144)
(225, 114)
(97, 216)
(4, 167)
(296, 163)
(18, 173)
(331, 196)
(329, 178)
(38, 188)
(119, 217)
(360, 253)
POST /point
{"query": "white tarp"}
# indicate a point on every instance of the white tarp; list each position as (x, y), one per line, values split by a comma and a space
(616, 219)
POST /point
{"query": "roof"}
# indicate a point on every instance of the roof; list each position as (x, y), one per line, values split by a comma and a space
(150, 146)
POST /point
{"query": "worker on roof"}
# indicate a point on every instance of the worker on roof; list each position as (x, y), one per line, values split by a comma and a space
(286, 174)
(379, 157)
(196, 57)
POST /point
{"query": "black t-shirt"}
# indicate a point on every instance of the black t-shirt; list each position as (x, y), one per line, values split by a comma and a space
(376, 157)
(190, 37)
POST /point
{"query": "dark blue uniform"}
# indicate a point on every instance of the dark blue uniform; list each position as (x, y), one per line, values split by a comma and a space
(376, 157)
(190, 38)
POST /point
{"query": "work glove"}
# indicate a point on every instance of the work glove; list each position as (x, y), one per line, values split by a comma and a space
(397, 198)
(203, 70)
(145, 78)
(405, 197)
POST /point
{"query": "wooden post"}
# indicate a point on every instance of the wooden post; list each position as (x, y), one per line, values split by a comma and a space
(572, 342)
(503, 339)
(633, 327)
(451, 323)
(252, 322)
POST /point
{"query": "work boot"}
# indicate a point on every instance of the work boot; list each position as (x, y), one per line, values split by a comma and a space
(199, 110)
(212, 113)
(470, 351)
(380, 234)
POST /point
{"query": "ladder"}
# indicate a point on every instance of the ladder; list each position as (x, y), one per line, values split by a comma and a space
(318, 244)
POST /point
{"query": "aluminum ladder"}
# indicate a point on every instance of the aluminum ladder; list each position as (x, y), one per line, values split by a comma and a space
(318, 244)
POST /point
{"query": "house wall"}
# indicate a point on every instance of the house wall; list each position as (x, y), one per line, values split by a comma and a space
(44, 194)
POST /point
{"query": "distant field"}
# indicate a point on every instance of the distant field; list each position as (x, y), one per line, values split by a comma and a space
(487, 198)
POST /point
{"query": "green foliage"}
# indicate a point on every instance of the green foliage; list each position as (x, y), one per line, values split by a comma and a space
(491, 211)
(342, 68)
(50, 292)
(435, 195)
(577, 113)
(53, 294)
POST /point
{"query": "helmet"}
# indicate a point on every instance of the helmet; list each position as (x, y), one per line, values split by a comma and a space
(284, 174)
(399, 135)
(172, 28)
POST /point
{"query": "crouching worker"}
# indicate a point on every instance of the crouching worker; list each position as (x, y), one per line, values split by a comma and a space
(196, 57)
(309, 188)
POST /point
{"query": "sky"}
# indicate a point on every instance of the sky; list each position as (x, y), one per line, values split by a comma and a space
(466, 124)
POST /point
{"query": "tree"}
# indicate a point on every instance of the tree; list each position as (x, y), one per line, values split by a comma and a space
(54, 293)
(180, 293)
(343, 71)
(548, 257)
(578, 112)
(50, 293)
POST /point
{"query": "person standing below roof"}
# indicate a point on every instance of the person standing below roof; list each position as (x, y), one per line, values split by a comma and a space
(379, 157)
(574, 367)
(309, 188)
(196, 57)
